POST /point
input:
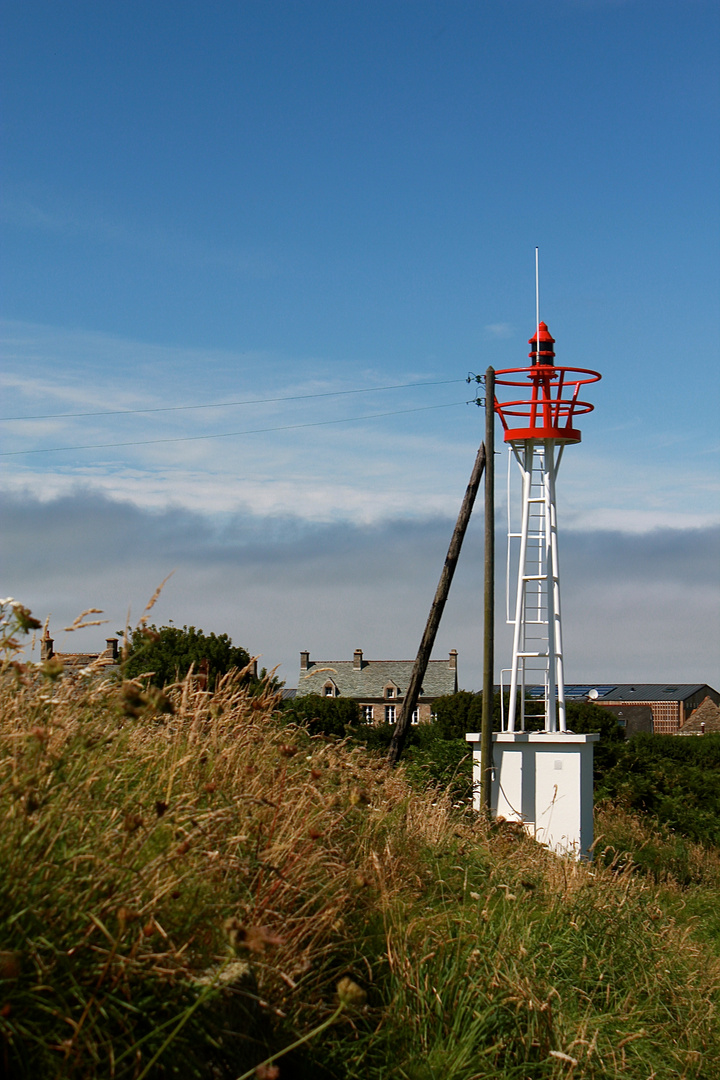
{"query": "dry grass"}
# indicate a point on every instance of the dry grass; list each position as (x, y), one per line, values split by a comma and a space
(187, 880)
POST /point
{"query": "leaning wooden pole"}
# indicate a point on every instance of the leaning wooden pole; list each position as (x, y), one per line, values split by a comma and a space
(489, 626)
(438, 605)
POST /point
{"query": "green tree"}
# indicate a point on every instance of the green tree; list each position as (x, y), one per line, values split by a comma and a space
(584, 718)
(323, 715)
(169, 652)
(457, 714)
(460, 713)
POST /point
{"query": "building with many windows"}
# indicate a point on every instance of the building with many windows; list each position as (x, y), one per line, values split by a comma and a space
(657, 708)
(670, 704)
(379, 686)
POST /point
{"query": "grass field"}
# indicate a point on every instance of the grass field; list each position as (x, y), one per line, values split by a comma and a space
(193, 888)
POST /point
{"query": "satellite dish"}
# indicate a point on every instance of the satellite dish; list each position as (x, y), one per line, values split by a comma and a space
(593, 695)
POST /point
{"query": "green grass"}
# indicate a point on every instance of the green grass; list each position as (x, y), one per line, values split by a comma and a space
(183, 894)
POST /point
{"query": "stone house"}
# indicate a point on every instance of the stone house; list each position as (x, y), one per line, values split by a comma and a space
(109, 657)
(704, 721)
(378, 686)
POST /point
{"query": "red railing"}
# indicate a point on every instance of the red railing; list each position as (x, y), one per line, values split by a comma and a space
(552, 403)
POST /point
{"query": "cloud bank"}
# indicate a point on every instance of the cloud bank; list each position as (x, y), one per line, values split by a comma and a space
(635, 607)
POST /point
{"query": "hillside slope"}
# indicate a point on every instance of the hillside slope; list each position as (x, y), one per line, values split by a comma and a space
(191, 886)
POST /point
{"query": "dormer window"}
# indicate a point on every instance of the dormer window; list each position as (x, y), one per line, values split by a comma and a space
(389, 691)
(329, 689)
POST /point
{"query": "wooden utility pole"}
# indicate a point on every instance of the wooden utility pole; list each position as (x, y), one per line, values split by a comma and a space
(489, 630)
(438, 605)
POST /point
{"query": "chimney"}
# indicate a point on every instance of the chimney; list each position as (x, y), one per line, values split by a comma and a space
(452, 662)
(357, 659)
(112, 648)
(304, 661)
(46, 648)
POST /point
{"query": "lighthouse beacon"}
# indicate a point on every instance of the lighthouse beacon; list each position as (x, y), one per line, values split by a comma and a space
(542, 773)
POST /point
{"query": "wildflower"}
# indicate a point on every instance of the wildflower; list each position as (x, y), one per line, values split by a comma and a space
(350, 993)
(563, 1057)
(25, 619)
(267, 1072)
(253, 938)
(132, 822)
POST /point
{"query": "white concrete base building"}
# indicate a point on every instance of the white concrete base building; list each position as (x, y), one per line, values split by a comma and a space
(544, 781)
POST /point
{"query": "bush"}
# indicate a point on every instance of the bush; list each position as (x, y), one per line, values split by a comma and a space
(674, 780)
(169, 653)
(323, 715)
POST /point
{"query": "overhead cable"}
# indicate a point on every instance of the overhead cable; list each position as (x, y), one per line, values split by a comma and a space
(224, 404)
(230, 434)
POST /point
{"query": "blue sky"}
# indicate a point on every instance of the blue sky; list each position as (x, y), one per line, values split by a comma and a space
(240, 201)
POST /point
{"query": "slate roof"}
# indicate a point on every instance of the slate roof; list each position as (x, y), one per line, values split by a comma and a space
(370, 680)
(609, 693)
(573, 691)
(628, 692)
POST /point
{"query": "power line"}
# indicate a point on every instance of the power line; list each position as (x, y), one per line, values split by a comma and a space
(224, 404)
(230, 434)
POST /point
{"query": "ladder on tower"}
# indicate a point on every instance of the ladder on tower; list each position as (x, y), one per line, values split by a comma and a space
(537, 650)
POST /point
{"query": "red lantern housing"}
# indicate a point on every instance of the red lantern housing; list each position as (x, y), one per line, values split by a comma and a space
(550, 402)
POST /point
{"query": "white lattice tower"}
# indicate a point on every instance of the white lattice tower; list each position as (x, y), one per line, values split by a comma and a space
(537, 427)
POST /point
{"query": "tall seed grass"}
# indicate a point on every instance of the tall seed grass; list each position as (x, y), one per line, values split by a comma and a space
(186, 880)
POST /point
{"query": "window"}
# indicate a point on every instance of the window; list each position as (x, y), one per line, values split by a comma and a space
(389, 714)
(416, 716)
(389, 691)
(329, 690)
(367, 711)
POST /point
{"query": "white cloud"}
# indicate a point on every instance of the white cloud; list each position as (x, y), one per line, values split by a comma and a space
(634, 607)
(365, 471)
